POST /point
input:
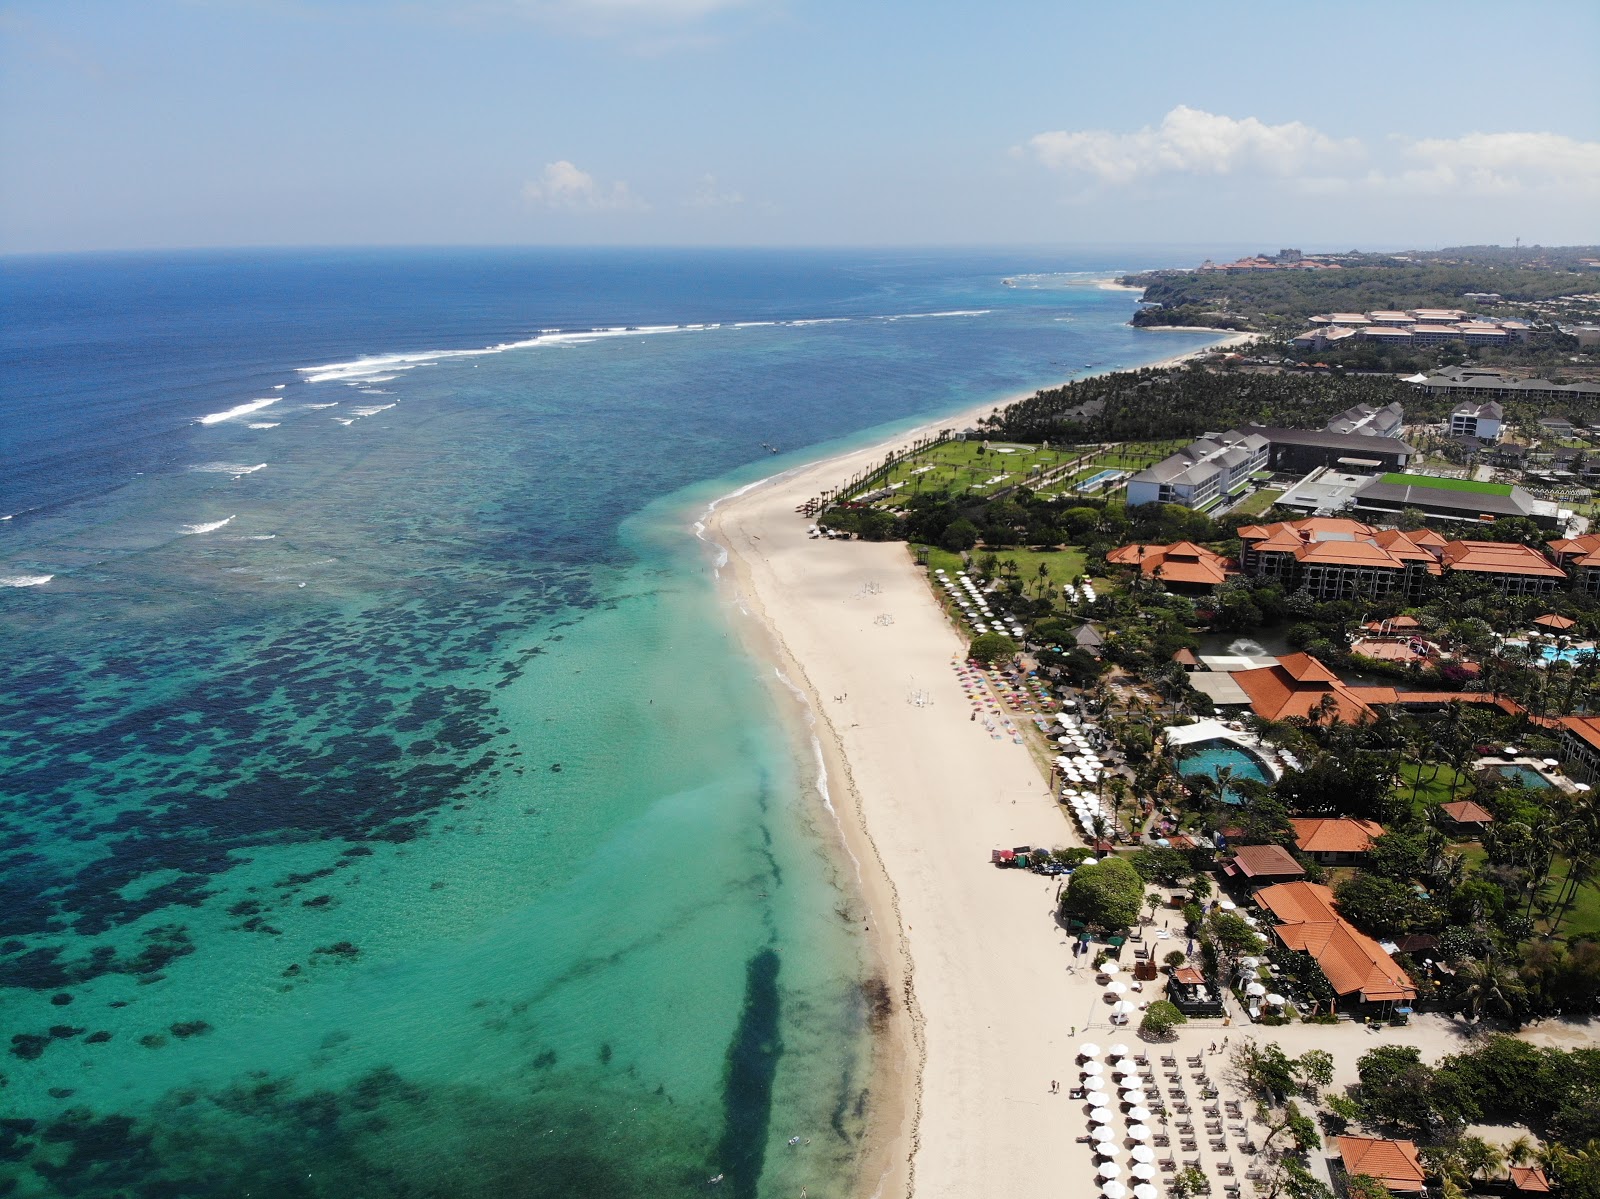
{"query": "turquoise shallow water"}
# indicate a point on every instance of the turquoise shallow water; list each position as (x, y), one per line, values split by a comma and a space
(1208, 757)
(385, 808)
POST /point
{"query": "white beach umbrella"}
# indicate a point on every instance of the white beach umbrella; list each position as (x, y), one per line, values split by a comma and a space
(1093, 861)
(1109, 968)
(1226, 904)
(1139, 1132)
(1101, 1133)
(1141, 1114)
(1143, 1171)
(1092, 1068)
(1113, 1189)
(1101, 1115)
(1276, 1000)
(1116, 988)
(1118, 1050)
(1108, 1149)
(1109, 1170)
(1143, 1153)
(1255, 989)
(1144, 1190)
(1249, 963)
(1123, 1007)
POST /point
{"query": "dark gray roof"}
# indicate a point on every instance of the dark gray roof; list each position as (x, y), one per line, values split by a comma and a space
(1088, 637)
(1403, 495)
(1322, 438)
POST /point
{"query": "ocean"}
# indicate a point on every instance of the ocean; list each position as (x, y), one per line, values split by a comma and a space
(386, 805)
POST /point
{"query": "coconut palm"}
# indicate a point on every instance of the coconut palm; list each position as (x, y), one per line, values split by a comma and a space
(1521, 1151)
(1487, 986)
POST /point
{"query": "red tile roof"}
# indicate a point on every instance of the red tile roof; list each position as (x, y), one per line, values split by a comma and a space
(1393, 1163)
(1327, 835)
(1181, 562)
(1551, 620)
(1266, 861)
(1353, 962)
(1585, 728)
(1529, 1178)
(1467, 812)
(1499, 557)
(1296, 686)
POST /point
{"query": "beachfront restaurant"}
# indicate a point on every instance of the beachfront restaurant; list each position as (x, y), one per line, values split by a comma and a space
(1189, 991)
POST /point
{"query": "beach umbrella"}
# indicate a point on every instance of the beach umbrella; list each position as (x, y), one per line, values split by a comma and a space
(1092, 1068)
(1144, 1171)
(1139, 1132)
(1096, 861)
(1101, 1115)
(1255, 989)
(1551, 762)
(1226, 904)
(1116, 988)
(1140, 1114)
(1249, 963)
(1109, 968)
(1276, 1000)
(1113, 1189)
(1108, 1148)
(1144, 1190)
(1123, 1007)
(1109, 1170)
(1143, 1153)
(1580, 786)
(1102, 1133)
(1118, 1050)
(1088, 1050)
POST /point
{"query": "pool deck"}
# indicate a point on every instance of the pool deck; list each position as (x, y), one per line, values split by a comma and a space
(1180, 736)
(1550, 774)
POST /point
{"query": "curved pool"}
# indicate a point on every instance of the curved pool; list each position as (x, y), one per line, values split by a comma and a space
(1208, 757)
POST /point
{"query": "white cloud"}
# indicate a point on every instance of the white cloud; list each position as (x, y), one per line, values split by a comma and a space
(709, 195)
(562, 185)
(1501, 164)
(1191, 141)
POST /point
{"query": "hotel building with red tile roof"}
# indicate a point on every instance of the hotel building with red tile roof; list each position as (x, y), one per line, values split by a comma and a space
(1298, 685)
(1335, 841)
(1182, 565)
(1581, 558)
(1356, 967)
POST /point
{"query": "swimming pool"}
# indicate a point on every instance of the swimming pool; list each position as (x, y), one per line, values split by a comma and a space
(1096, 481)
(1525, 775)
(1208, 757)
(1573, 653)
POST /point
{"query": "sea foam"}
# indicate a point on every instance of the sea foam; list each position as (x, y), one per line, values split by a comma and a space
(24, 580)
(241, 410)
(213, 526)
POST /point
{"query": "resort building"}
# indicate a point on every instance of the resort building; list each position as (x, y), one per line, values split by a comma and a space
(1298, 685)
(1375, 422)
(1482, 420)
(1335, 842)
(1580, 557)
(1202, 473)
(1306, 449)
(1264, 864)
(1529, 1180)
(1491, 383)
(1357, 967)
(1182, 566)
(1393, 1163)
(1580, 747)
(1512, 569)
(1452, 499)
(1335, 558)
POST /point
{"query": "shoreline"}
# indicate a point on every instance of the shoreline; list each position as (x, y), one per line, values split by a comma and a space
(916, 827)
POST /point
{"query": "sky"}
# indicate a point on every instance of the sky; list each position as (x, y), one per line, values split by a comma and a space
(188, 123)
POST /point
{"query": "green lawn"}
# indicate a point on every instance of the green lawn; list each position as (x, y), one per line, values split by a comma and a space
(1258, 503)
(1583, 917)
(1434, 791)
(965, 466)
(1446, 484)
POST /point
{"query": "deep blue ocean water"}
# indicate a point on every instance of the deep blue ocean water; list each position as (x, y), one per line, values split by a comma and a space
(385, 808)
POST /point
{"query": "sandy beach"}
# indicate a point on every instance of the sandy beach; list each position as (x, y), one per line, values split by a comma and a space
(987, 1007)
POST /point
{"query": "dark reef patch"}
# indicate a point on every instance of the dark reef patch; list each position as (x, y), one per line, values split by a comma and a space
(753, 1057)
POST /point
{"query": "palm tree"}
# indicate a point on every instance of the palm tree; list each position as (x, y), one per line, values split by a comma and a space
(1521, 1151)
(1487, 986)
(1479, 1157)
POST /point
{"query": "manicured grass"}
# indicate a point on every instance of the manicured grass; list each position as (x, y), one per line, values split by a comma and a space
(1583, 917)
(1257, 503)
(965, 466)
(1434, 791)
(1446, 484)
(1063, 566)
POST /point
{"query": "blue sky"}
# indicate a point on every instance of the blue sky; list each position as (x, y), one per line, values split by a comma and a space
(796, 122)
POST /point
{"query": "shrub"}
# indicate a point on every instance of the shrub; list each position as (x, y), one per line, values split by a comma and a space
(1160, 1018)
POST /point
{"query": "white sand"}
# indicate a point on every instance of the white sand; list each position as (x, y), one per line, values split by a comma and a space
(924, 794)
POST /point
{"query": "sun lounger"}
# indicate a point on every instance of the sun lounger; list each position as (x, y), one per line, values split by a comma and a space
(1219, 1145)
(1196, 1060)
(1167, 1060)
(1169, 1164)
(1225, 1168)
